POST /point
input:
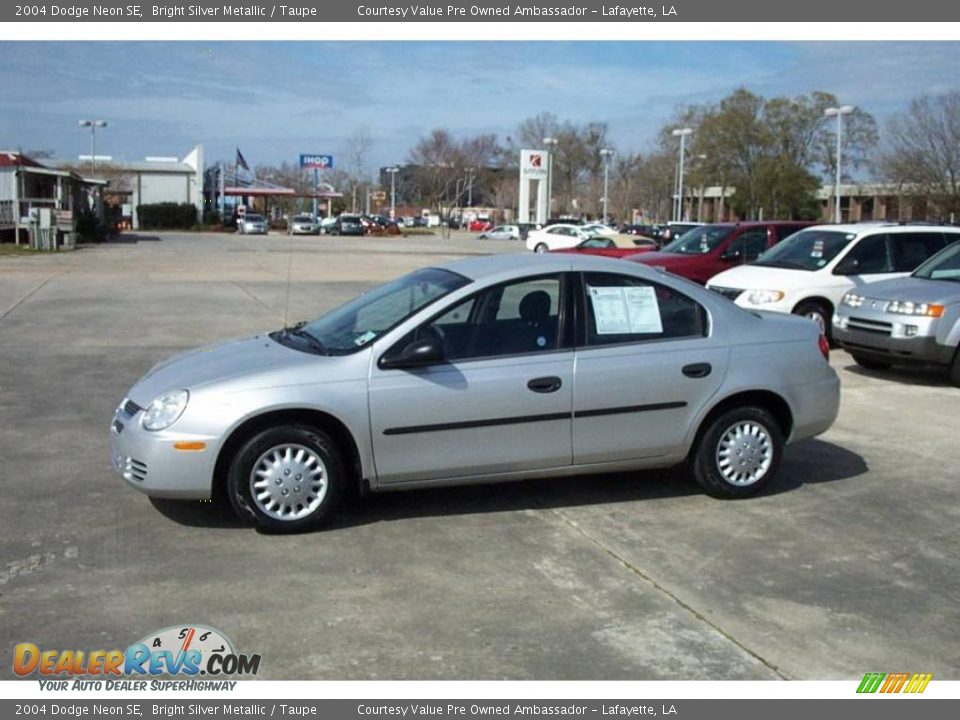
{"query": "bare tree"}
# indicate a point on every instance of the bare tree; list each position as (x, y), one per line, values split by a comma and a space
(357, 153)
(924, 149)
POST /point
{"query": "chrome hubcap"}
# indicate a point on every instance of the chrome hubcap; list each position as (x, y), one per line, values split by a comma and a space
(541, 248)
(744, 453)
(817, 317)
(288, 482)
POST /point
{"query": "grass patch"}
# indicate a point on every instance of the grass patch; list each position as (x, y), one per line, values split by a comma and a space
(11, 250)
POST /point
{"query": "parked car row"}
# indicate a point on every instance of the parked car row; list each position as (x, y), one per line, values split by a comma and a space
(834, 275)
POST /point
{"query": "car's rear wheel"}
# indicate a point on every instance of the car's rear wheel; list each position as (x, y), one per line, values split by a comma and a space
(870, 364)
(738, 453)
(818, 312)
(541, 248)
(287, 479)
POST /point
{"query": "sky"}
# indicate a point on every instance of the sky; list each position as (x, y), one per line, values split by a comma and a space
(275, 100)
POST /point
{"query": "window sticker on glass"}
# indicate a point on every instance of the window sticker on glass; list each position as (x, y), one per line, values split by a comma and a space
(365, 338)
(626, 310)
(817, 251)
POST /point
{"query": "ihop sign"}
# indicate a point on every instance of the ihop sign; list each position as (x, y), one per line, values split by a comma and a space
(316, 162)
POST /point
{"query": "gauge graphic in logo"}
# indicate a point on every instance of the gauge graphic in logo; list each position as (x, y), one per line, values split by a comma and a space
(198, 643)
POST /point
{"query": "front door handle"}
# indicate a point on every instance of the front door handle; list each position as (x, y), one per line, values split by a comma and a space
(545, 384)
(697, 370)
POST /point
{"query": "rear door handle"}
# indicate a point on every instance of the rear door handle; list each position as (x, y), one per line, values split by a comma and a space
(697, 370)
(545, 384)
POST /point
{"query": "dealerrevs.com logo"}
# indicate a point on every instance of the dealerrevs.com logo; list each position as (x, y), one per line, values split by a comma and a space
(180, 651)
(899, 682)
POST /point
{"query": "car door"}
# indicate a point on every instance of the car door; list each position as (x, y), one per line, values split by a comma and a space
(645, 366)
(500, 403)
(869, 261)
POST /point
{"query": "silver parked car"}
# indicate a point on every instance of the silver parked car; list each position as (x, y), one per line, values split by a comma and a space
(488, 369)
(911, 320)
(303, 225)
(253, 224)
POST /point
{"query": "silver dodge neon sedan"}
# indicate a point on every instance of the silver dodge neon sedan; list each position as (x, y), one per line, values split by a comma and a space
(482, 370)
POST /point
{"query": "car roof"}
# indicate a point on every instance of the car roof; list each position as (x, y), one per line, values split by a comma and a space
(895, 227)
(508, 265)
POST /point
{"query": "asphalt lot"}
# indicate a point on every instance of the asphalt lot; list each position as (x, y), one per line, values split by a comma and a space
(851, 563)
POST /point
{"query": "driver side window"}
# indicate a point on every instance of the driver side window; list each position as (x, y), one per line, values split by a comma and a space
(509, 319)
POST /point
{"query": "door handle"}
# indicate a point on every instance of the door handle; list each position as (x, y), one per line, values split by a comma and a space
(697, 370)
(545, 384)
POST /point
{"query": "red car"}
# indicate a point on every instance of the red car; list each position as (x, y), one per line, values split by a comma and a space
(479, 225)
(612, 246)
(701, 253)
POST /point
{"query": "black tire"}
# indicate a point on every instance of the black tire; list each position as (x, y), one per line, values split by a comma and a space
(722, 481)
(819, 313)
(541, 248)
(955, 368)
(325, 495)
(870, 364)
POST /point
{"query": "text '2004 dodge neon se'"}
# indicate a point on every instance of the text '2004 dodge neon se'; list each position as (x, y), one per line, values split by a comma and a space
(488, 369)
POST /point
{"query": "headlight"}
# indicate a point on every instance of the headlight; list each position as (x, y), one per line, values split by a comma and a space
(762, 297)
(905, 307)
(853, 300)
(165, 409)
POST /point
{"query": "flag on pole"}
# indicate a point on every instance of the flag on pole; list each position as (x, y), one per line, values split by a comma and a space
(241, 162)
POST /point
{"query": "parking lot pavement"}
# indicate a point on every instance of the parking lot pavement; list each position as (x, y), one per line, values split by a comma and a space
(850, 563)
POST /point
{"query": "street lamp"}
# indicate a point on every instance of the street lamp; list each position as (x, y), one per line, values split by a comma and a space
(393, 191)
(549, 143)
(839, 112)
(606, 154)
(681, 133)
(93, 125)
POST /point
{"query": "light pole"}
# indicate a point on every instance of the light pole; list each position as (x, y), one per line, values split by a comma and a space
(839, 112)
(393, 191)
(681, 133)
(606, 154)
(549, 143)
(93, 125)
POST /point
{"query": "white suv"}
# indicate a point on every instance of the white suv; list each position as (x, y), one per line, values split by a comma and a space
(810, 272)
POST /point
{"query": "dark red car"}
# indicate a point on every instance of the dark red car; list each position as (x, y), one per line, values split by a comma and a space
(610, 246)
(701, 253)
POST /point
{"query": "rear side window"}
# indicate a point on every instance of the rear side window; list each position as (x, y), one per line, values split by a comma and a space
(911, 249)
(623, 309)
(872, 255)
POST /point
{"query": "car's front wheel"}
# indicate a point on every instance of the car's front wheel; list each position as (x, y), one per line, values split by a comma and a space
(287, 479)
(955, 368)
(541, 248)
(738, 453)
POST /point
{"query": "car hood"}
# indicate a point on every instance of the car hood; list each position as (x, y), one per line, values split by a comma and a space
(757, 277)
(915, 290)
(667, 260)
(243, 358)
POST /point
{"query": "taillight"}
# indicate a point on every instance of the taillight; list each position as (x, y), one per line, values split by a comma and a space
(824, 346)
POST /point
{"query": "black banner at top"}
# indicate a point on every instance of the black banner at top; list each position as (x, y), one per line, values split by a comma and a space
(393, 11)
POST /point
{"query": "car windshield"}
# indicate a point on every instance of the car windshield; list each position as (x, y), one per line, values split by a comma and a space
(806, 250)
(254, 218)
(945, 265)
(699, 241)
(303, 218)
(367, 317)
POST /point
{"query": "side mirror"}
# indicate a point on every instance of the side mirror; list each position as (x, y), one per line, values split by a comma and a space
(847, 266)
(419, 353)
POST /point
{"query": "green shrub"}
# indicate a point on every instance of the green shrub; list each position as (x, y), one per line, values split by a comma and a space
(167, 216)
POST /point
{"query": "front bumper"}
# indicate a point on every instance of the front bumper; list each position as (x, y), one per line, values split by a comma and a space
(891, 338)
(149, 462)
